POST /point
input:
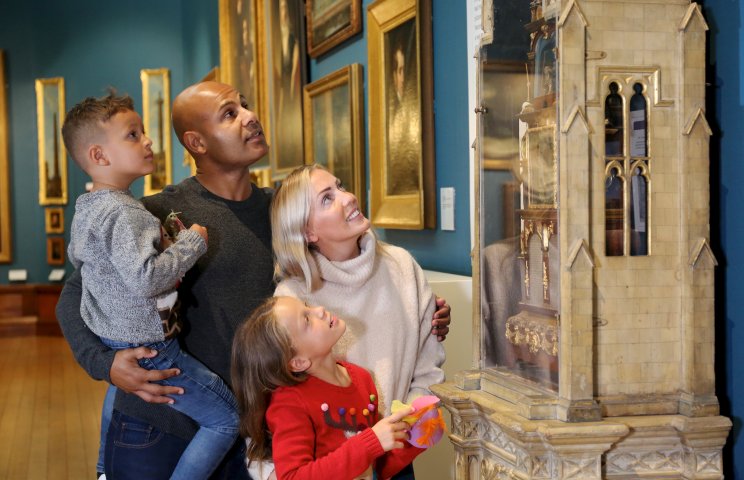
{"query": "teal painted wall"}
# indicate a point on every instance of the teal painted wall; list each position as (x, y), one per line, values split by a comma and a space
(94, 45)
(725, 113)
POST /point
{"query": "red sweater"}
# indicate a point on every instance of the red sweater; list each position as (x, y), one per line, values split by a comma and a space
(321, 431)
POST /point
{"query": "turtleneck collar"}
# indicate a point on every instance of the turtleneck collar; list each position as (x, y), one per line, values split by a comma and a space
(351, 273)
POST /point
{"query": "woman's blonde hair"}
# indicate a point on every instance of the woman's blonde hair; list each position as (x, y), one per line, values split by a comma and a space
(261, 354)
(290, 213)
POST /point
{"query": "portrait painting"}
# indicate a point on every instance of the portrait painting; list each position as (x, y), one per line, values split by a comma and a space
(5, 224)
(56, 250)
(54, 220)
(156, 118)
(287, 76)
(50, 111)
(334, 127)
(330, 23)
(400, 102)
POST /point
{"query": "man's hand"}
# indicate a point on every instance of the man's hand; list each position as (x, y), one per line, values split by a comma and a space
(440, 322)
(127, 375)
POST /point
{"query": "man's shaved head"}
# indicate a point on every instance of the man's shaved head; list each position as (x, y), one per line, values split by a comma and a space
(188, 107)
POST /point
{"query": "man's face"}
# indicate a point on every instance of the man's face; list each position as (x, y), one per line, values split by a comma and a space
(399, 77)
(231, 133)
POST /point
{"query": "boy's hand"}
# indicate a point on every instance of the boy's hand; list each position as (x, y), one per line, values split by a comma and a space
(127, 375)
(391, 430)
(200, 230)
(440, 322)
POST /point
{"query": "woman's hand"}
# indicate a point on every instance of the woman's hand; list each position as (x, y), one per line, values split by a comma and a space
(440, 322)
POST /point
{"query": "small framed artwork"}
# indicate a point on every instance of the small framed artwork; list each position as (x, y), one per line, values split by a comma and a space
(5, 224)
(54, 220)
(156, 118)
(402, 166)
(334, 127)
(330, 23)
(56, 250)
(286, 78)
(50, 110)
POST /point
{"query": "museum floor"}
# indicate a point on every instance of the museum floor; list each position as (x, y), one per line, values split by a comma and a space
(49, 411)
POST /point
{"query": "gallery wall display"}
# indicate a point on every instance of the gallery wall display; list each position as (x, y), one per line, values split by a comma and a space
(330, 23)
(334, 127)
(286, 78)
(56, 250)
(54, 220)
(156, 118)
(242, 49)
(50, 111)
(5, 224)
(402, 167)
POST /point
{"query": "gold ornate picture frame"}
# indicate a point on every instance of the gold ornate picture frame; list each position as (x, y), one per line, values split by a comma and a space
(6, 251)
(402, 166)
(334, 127)
(56, 250)
(330, 23)
(286, 77)
(156, 107)
(54, 220)
(50, 111)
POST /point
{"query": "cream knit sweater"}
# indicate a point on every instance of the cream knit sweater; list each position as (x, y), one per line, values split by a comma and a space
(388, 308)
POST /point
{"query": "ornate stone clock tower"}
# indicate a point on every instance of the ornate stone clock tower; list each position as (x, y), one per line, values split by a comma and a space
(594, 319)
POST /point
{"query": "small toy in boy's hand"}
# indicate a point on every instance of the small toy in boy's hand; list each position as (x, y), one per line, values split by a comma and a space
(426, 422)
(173, 225)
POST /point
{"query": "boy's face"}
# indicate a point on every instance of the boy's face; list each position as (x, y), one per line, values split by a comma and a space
(126, 146)
(313, 329)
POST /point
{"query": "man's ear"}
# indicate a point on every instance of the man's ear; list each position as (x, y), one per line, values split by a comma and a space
(194, 142)
(299, 364)
(96, 155)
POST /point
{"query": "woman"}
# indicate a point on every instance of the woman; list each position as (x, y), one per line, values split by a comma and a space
(326, 255)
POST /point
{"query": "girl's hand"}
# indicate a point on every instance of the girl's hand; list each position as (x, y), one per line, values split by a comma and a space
(391, 430)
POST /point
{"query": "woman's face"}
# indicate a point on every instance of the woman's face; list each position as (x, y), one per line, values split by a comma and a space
(335, 223)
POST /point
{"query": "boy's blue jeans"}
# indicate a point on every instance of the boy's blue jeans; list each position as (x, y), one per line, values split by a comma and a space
(206, 399)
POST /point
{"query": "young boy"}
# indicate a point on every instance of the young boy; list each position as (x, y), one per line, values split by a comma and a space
(129, 272)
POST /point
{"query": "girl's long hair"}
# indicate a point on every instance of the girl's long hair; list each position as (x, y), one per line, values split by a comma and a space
(261, 353)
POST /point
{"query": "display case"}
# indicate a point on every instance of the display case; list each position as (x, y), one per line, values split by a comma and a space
(593, 274)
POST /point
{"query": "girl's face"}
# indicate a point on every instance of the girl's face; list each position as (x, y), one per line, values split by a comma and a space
(335, 223)
(314, 330)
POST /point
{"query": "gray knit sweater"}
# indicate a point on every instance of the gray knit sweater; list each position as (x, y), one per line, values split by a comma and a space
(115, 242)
(217, 294)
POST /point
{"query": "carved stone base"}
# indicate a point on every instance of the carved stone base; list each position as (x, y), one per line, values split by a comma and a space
(492, 441)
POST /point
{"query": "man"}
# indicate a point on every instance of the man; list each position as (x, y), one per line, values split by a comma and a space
(145, 440)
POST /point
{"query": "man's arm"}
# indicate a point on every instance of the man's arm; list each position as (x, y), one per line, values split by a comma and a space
(119, 368)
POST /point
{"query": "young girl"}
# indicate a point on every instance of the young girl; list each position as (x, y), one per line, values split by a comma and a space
(318, 417)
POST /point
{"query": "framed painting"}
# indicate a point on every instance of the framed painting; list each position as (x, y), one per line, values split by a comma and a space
(286, 78)
(402, 166)
(50, 111)
(54, 220)
(334, 127)
(157, 120)
(56, 250)
(503, 91)
(5, 224)
(330, 23)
